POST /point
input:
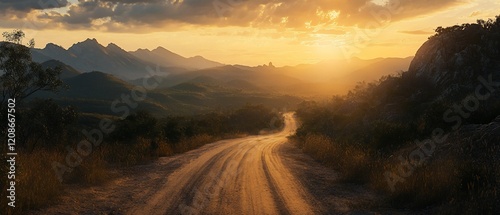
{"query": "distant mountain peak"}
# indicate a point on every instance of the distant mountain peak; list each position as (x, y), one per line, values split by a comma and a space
(52, 45)
(160, 48)
(93, 40)
(198, 57)
(142, 50)
(87, 43)
(112, 46)
(67, 71)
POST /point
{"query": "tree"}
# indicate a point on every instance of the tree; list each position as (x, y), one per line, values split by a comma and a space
(46, 123)
(16, 36)
(21, 77)
(139, 124)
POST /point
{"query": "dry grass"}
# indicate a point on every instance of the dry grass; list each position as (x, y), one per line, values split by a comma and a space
(93, 170)
(139, 152)
(38, 186)
(193, 143)
(320, 148)
(165, 150)
(456, 179)
(35, 186)
(142, 151)
(430, 184)
(354, 163)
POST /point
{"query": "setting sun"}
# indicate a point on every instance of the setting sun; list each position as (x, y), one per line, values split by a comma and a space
(236, 32)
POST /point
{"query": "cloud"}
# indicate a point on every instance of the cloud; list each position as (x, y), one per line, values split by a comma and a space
(29, 5)
(384, 44)
(330, 31)
(303, 15)
(417, 32)
(476, 14)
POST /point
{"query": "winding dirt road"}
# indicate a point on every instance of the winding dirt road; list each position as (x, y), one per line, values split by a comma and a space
(252, 175)
(241, 176)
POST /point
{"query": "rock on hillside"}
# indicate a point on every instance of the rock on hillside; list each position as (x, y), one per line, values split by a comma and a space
(458, 55)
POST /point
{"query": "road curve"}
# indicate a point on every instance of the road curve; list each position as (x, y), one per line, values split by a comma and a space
(239, 176)
(251, 175)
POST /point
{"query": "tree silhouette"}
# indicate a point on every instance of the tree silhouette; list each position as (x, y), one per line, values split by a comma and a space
(21, 77)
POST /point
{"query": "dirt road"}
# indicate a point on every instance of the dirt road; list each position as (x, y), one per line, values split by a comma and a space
(241, 176)
(253, 175)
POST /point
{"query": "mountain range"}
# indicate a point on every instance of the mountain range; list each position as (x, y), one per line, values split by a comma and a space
(166, 58)
(97, 75)
(95, 92)
(89, 55)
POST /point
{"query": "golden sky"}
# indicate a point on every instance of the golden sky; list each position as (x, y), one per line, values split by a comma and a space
(249, 32)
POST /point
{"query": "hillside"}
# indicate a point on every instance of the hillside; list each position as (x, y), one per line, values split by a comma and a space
(204, 79)
(89, 56)
(96, 85)
(307, 80)
(374, 71)
(95, 92)
(180, 91)
(338, 76)
(242, 85)
(66, 71)
(457, 55)
(429, 137)
(224, 74)
(338, 70)
(166, 58)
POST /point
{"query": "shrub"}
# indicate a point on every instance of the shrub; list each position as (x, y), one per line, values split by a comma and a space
(354, 163)
(92, 170)
(191, 143)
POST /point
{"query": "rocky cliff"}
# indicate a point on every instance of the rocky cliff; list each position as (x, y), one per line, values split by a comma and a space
(457, 56)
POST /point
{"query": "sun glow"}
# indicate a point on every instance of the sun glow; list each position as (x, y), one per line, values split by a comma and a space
(287, 33)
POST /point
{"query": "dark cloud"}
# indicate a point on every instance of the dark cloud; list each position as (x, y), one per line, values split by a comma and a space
(132, 1)
(29, 5)
(86, 12)
(306, 15)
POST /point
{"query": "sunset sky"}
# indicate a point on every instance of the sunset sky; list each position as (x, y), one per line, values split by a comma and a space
(250, 32)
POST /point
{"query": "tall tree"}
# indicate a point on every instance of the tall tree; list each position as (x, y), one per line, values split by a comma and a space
(20, 76)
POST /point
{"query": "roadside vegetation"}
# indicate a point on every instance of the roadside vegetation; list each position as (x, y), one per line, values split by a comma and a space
(45, 131)
(138, 139)
(375, 135)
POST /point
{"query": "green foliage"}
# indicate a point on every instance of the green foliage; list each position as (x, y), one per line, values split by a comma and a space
(174, 129)
(46, 123)
(16, 36)
(365, 115)
(250, 119)
(486, 25)
(137, 125)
